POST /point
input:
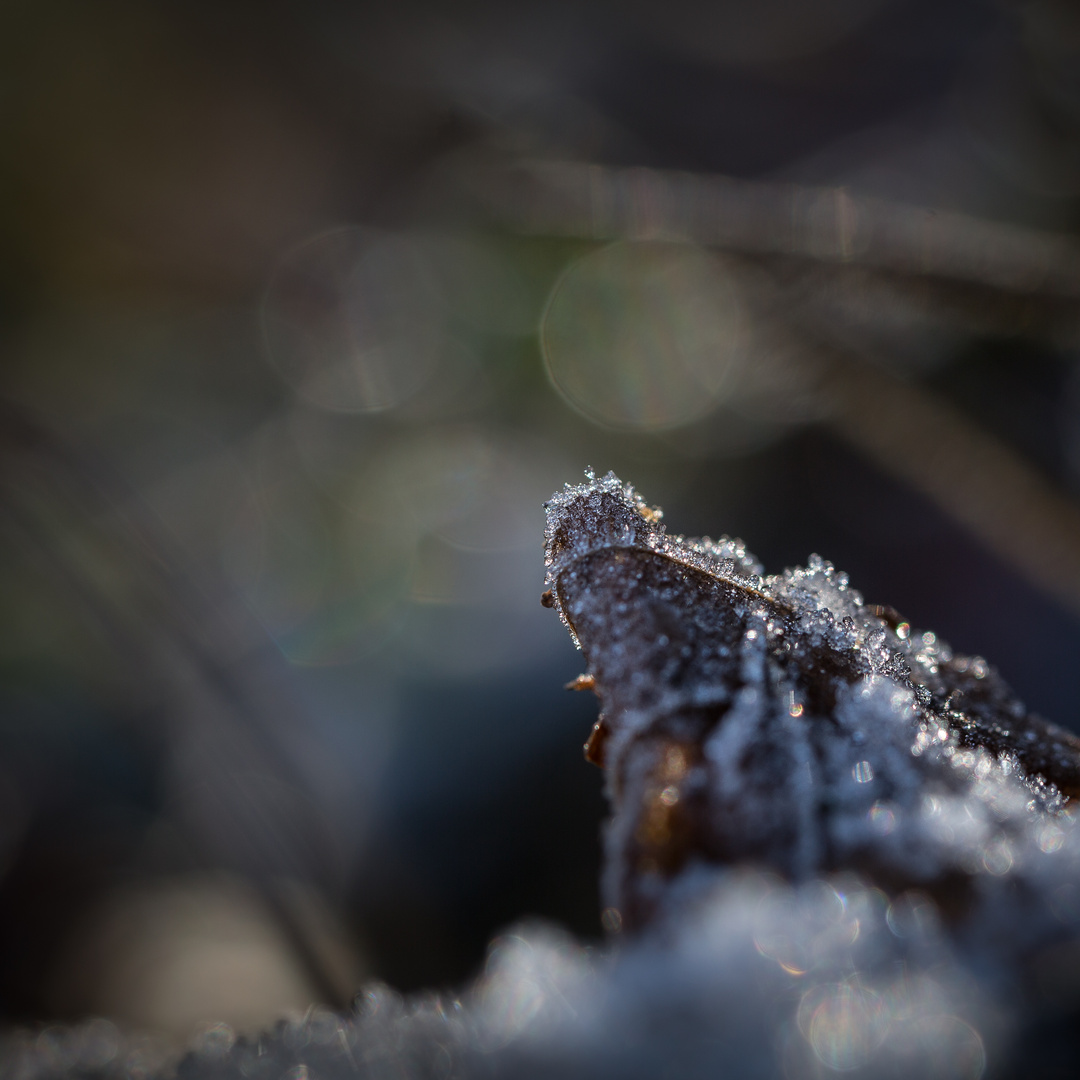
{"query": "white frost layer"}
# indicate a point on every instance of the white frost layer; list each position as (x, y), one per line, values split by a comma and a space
(759, 980)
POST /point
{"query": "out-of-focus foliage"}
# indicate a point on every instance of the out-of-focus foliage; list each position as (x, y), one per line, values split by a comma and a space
(305, 309)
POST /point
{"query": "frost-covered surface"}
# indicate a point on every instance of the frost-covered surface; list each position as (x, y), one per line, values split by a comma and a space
(780, 722)
(835, 847)
(758, 979)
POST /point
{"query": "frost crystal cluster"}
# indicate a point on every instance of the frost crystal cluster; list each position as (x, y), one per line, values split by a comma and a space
(780, 722)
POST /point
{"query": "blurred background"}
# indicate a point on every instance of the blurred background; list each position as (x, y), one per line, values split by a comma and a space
(305, 310)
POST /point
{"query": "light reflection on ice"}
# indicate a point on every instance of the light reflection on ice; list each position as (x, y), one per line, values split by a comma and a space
(998, 856)
(844, 1023)
(532, 985)
(863, 772)
(881, 818)
(1050, 836)
(912, 914)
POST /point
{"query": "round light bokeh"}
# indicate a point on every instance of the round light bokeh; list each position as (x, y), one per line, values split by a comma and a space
(644, 335)
(846, 1025)
(354, 319)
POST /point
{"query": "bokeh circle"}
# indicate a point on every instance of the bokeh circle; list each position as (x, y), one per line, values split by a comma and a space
(644, 335)
(354, 319)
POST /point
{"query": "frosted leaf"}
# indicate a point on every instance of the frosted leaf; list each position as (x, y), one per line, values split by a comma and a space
(782, 722)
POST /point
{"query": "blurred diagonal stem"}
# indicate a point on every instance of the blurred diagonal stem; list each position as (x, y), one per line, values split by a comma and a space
(827, 224)
(973, 477)
(126, 583)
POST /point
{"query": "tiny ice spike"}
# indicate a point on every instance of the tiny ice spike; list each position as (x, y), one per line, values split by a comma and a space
(782, 722)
